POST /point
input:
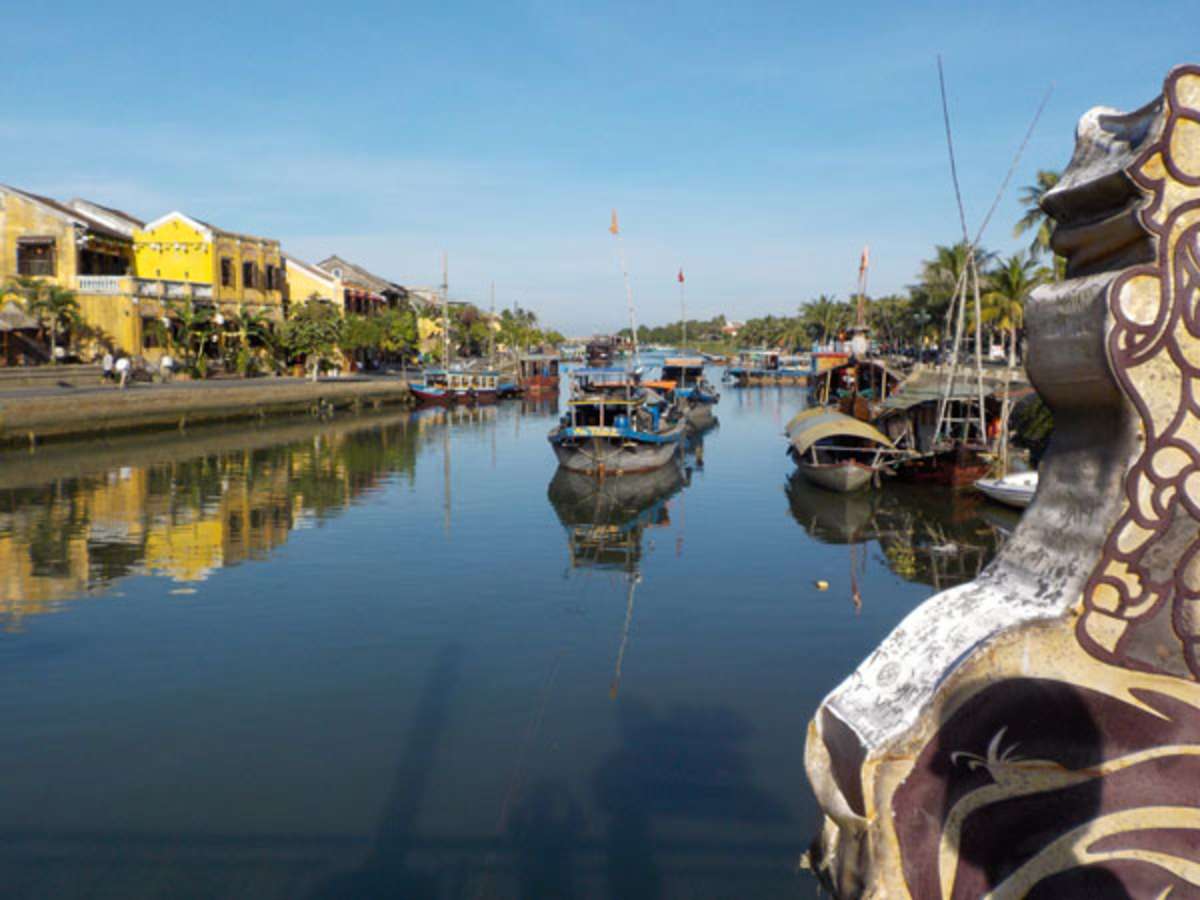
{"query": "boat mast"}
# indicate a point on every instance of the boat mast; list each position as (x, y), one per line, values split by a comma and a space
(491, 330)
(446, 311)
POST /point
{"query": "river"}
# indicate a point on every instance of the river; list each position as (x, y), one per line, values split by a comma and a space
(393, 655)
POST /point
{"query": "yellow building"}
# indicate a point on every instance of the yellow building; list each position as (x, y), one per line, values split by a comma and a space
(79, 245)
(305, 281)
(178, 257)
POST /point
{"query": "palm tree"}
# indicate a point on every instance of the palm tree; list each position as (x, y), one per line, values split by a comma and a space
(824, 316)
(1004, 303)
(57, 309)
(1035, 219)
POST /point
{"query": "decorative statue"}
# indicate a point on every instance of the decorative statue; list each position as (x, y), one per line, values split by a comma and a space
(1036, 733)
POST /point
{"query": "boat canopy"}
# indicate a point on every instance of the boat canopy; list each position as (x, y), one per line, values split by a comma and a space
(817, 424)
(685, 362)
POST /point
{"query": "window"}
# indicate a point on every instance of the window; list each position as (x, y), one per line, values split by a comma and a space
(248, 275)
(35, 256)
(226, 272)
(274, 278)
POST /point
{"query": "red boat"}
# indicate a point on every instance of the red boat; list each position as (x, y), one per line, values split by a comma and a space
(441, 388)
(538, 374)
(958, 466)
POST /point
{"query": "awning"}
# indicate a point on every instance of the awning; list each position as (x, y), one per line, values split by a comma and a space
(13, 318)
(817, 424)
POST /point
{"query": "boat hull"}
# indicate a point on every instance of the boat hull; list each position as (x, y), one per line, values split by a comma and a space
(426, 397)
(604, 456)
(842, 477)
(959, 467)
(1017, 493)
(540, 384)
(699, 416)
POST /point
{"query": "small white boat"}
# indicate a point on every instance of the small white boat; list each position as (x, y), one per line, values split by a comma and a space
(1016, 489)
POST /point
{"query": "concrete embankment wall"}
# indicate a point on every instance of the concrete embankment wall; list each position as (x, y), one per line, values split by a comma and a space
(39, 415)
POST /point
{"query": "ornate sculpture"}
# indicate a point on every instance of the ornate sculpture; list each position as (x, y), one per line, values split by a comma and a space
(1037, 731)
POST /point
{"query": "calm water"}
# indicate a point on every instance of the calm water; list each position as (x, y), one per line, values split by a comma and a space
(396, 657)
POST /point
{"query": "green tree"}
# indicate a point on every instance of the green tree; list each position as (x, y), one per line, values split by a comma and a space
(58, 310)
(194, 327)
(1034, 218)
(1009, 286)
(312, 333)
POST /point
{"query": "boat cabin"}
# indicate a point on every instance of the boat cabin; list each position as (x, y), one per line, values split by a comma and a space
(685, 372)
(539, 367)
(856, 387)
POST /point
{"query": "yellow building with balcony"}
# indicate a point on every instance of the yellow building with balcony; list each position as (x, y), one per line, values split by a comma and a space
(78, 245)
(176, 257)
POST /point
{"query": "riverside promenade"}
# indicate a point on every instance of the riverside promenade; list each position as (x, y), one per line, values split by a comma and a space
(62, 410)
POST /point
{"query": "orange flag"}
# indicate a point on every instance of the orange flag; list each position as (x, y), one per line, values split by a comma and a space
(613, 229)
(864, 261)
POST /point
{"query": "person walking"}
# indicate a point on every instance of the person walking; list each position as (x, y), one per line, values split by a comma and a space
(123, 370)
(106, 366)
(166, 366)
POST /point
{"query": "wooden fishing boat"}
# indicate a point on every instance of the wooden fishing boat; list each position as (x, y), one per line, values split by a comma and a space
(538, 374)
(441, 387)
(616, 426)
(1016, 489)
(856, 387)
(694, 394)
(838, 452)
(763, 367)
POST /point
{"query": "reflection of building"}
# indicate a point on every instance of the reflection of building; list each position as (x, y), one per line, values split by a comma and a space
(182, 519)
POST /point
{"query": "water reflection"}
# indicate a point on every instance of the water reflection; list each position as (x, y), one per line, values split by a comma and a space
(928, 535)
(181, 508)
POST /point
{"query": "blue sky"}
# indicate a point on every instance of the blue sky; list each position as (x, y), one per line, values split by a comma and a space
(757, 145)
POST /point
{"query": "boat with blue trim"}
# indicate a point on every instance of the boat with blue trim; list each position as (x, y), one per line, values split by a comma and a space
(693, 392)
(615, 425)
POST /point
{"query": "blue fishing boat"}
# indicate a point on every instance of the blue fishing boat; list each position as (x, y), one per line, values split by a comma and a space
(692, 391)
(615, 425)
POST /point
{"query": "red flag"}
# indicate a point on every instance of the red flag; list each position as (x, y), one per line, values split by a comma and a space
(681, 276)
(864, 261)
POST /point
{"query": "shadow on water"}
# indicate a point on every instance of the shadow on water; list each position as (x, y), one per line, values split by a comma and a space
(686, 764)
(387, 871)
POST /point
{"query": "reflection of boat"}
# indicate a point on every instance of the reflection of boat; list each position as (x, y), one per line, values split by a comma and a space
(928, 534)
(615, 426)
(836, 451)
(1015, 490)
(832, 519)
(605, 519)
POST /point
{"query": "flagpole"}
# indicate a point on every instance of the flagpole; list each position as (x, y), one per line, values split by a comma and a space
(683, 309)
(616, 232)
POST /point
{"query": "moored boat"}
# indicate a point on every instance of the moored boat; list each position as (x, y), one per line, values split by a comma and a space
(538, 374)
(838, 452)
(694, 394)
(441, 387)
(1016, 489)
(616, 426)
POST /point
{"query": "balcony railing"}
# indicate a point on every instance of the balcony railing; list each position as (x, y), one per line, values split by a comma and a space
(102, 284)
(172, 290)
